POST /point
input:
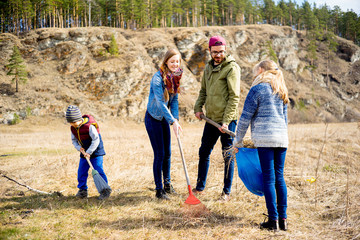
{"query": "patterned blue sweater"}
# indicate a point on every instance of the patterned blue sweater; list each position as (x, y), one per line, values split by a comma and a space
(267, 115)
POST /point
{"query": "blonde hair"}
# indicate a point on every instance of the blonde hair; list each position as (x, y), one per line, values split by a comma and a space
(165, 69)
(277, 83)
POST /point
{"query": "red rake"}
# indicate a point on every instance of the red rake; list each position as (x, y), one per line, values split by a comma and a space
(192, 206)
(192, 200)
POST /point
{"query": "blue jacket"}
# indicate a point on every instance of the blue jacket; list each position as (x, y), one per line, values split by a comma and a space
(267, 114)
(157, 107)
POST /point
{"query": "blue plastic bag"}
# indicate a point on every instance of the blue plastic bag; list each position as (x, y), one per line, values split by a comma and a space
(249, 170)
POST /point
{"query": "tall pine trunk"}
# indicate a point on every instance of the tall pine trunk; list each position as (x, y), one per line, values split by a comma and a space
(205, 15)
(194, 15)
(54, 16)
(212, 15)
(77, 13)
(68, 17)
(73, 18)
(17, 83)
(222, 14)
(187, 18)
(327, 69)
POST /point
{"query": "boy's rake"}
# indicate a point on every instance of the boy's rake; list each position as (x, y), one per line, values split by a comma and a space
(192, 206)
(100, 184)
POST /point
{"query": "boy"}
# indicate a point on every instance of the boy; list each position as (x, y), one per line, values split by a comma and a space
(86, 138)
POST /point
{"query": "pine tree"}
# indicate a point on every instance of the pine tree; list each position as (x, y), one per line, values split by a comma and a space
(309, 19)
(292, 13)
(269, 11)
(17, 68)
(331, 45)
(323, 14)
(271, 53)
(283, 10)
(349, 26)
(312, 49)
(113, 50)
(187, 6)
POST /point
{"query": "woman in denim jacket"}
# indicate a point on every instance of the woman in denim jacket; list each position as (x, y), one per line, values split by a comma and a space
(162, 110)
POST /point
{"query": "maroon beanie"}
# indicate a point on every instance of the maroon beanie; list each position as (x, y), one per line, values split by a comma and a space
(217, 41)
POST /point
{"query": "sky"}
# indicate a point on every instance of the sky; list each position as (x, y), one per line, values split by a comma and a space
(344, 5)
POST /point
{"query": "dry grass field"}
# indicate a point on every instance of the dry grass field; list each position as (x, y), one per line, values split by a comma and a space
(38, 153)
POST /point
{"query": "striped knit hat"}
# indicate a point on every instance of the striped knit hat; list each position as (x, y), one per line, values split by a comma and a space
(73, 114)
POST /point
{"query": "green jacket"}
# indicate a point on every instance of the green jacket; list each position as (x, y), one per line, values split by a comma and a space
(220, 91)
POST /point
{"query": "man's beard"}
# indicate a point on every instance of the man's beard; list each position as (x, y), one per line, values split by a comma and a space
(218, 60)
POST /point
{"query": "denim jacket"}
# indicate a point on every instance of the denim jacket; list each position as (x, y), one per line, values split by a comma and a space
(157, 107)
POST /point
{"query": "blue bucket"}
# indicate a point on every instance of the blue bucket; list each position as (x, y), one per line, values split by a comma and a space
(249, 170)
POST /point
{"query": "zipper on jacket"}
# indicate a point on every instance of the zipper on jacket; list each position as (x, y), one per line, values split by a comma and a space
(78, 132)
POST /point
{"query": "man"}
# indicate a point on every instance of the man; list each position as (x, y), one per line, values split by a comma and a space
(220, 93)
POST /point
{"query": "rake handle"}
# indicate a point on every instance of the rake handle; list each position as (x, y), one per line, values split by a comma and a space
(183, 161)
(215, 124)
(88, 160)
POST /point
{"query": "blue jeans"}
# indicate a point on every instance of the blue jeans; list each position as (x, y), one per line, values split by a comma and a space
(210, 136)
(272, 161)
(160, 137)
(83, 170)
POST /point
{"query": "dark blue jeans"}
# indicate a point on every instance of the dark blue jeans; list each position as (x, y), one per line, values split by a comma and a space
(97, 163)
(272, 161)
(160, 138)
(210, 136)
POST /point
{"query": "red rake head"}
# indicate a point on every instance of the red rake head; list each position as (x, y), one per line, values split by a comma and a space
(192, 200)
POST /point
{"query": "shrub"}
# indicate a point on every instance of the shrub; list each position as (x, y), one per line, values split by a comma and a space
(113, 50)
(16, 119)
(300, 105)
(28, 111)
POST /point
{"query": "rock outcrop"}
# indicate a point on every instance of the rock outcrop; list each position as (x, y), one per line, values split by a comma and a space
(73, 66)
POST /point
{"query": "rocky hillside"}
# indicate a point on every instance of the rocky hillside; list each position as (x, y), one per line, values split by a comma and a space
(73, 66)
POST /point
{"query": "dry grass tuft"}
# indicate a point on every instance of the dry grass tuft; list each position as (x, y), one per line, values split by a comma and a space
(247, 143)
(194, 211)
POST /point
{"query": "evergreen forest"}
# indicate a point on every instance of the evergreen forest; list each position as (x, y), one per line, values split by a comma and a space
(18, 16)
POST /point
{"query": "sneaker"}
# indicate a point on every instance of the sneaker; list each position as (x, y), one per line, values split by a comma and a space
(82, 193)
(270, 225)
(105, 194)
(161, 194)
(169, 189)
(224, 197)
(197, 192)
(283, 224)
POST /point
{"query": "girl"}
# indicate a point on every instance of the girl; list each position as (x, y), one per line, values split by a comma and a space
(265, 108)
(162, 110)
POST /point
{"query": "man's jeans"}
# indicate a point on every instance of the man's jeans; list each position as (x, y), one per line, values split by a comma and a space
(160, 137)
(208, 141)
(97, 163)
(272, 161)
